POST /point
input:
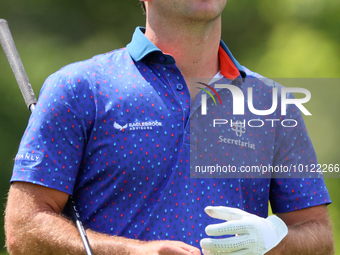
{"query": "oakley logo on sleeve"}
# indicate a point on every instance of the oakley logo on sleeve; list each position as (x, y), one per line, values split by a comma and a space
(29, 159)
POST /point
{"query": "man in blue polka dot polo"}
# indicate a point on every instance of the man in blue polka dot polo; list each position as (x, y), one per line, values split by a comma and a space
(114, 131)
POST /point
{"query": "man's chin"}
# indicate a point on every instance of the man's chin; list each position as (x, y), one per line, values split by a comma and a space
(207, 10)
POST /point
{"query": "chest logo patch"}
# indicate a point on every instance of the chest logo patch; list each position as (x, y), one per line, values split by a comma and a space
(119, 127)
(239, 128)
(147, 125)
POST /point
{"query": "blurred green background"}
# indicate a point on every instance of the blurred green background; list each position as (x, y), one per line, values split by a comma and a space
(278, 39)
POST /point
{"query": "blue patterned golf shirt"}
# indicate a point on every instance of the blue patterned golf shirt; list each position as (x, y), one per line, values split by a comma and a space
(114, 131)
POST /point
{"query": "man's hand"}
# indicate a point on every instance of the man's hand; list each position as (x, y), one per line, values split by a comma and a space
(253, 235)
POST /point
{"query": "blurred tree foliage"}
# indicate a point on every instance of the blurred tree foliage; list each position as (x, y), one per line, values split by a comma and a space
(284, 38)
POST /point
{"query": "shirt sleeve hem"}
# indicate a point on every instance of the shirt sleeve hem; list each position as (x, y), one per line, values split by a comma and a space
(60, 184)
(303, 203)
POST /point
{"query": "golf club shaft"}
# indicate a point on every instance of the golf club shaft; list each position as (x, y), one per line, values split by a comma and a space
(20, 74)
(76, 217)
(15, 62)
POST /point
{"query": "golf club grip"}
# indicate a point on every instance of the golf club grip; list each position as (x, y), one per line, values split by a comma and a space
(15, 62)
(76, 218)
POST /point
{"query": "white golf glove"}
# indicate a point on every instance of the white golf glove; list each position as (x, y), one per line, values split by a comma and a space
(253, 235)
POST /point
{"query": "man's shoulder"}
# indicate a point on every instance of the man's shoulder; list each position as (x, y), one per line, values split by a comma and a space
(86, 74)
(98, 63)
(256, 79)
(252, 74)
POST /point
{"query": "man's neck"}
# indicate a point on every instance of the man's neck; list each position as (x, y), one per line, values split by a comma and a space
(195, 48)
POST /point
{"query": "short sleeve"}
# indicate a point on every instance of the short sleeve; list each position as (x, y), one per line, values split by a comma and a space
(51, 148)
(294, 148)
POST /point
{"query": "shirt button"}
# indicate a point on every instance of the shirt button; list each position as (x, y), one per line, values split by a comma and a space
(162, 58)
(179, 86)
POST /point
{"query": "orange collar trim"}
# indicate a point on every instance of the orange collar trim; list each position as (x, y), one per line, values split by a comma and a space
(227, 67)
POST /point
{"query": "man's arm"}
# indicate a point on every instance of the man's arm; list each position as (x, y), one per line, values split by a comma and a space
(309, 232)
(34, 225)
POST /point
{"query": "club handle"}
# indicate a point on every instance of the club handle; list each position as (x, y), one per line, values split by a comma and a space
(15, 62)
(76, 217)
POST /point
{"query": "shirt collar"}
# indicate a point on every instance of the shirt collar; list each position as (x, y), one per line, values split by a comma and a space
(141, 47)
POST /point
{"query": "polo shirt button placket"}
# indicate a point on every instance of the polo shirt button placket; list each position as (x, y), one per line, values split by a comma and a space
(179, 87)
